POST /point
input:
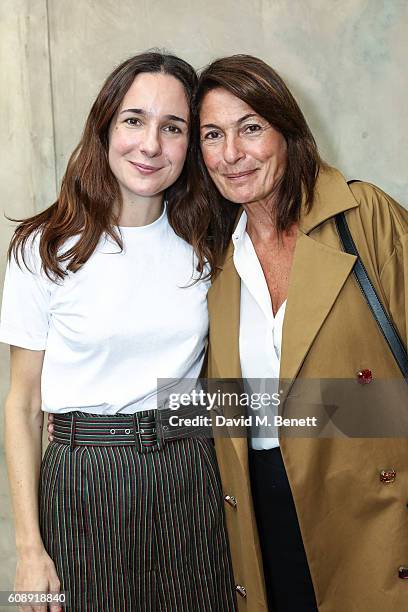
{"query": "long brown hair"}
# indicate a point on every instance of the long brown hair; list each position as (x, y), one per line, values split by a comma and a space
(260, 86)
(89, 189)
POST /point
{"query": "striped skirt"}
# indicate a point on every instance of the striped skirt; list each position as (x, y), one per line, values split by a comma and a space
(134, 529)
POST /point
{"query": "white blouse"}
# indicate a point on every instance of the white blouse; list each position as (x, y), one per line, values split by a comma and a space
(260, 335)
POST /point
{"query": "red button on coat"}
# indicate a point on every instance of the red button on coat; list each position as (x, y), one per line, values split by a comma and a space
(365, 377)
(388, 476)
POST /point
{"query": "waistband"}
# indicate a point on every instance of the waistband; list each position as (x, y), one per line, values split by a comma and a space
(147, 430)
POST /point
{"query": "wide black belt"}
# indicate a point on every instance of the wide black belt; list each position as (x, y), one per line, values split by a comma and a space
(146, 430)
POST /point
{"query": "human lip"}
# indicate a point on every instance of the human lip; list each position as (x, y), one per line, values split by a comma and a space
(233, 176)
(144, 169)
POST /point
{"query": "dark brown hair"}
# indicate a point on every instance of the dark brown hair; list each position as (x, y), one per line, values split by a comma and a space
(89, 189)
(259, 85)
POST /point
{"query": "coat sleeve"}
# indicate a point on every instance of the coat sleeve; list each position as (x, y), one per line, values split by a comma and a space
(394, 279)
(385, 225)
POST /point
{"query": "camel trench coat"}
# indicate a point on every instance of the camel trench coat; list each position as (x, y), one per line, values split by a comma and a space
(354, 524)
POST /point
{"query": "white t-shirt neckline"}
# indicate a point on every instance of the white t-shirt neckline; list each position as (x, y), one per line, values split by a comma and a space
(136, 229)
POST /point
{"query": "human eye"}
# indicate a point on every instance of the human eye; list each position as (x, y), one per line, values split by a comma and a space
(172, 129)
(132, 121)
(211, 136)
(252, 128)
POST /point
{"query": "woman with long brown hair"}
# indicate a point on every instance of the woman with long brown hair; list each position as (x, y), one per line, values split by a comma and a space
(98, 303)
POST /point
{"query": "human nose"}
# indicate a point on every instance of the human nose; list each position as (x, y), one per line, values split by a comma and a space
(232, 151)
(151, 145)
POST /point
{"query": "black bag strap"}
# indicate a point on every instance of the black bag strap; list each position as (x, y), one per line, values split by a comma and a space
(380, 315)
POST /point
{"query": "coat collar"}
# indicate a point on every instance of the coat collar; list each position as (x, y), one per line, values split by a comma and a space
(332, 196)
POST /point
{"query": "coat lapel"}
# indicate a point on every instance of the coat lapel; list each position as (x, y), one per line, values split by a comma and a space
(224, 306)
(224, 362)
(318, 274)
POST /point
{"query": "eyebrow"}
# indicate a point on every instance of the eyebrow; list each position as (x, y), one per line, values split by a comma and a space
(140, 111)
(237, 122)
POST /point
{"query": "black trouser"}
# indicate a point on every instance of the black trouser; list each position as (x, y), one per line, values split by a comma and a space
(287, 576)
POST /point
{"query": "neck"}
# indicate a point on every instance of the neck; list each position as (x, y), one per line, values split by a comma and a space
(137, 211)
(261, 226)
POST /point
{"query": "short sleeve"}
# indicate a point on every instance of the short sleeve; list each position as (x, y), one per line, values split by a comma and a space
(24, 317)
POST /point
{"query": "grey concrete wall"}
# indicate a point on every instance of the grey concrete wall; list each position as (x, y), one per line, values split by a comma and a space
(345, 61)
(27, 172)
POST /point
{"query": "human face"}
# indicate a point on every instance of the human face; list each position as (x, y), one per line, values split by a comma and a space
(148, 136)
(244, 154)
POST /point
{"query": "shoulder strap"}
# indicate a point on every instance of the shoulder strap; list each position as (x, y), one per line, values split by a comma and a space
(380, 315)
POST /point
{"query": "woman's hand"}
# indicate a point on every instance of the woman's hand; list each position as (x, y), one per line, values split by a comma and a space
(36, 572)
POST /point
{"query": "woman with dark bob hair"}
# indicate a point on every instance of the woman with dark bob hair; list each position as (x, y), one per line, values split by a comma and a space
(122, 513)
(318, 517)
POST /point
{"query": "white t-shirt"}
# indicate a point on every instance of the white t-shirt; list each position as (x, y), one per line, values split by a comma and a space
(260, 334)
(115, 326)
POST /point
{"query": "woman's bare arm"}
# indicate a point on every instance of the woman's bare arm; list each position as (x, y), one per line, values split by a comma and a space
(23, 435)
(23, 441)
